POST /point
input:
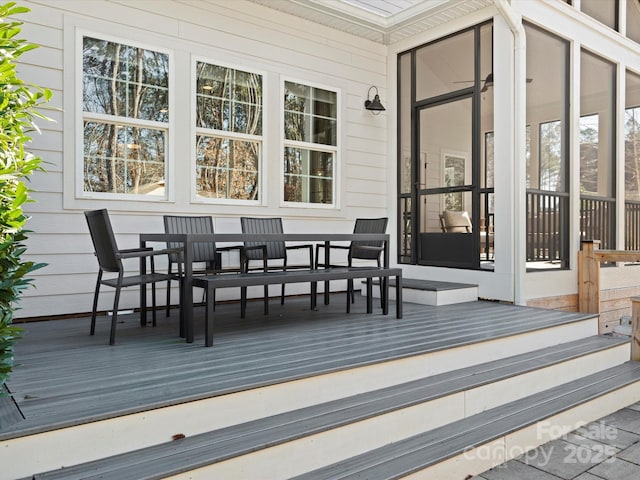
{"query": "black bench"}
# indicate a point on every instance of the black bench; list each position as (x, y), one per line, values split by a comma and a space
(312, 276)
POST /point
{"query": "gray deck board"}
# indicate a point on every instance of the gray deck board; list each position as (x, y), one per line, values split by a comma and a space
(402, 458)
(200, 450)
(64, 376)
(428, 285)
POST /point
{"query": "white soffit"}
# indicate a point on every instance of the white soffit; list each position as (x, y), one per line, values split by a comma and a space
(382, 21)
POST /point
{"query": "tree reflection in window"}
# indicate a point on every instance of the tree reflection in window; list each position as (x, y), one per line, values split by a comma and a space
(229, 132)
(551, 156)
(125, 102)
(589, 134)
(310, 126)
(454, 176)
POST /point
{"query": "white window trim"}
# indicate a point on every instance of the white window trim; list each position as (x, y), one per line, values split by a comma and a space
(79, 116)
(262, 139)
(337, 163)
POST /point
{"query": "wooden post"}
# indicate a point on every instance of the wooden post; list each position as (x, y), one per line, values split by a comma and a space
(635, 329)
(589, 277)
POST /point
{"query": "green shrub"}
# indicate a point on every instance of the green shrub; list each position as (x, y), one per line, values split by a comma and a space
(19, 108)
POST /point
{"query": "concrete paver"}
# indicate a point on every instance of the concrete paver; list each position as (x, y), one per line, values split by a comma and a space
(607, 449)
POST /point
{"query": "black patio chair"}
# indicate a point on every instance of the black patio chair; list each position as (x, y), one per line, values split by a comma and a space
(360, 249)
(110, 259)
(206, 255)
(264, 252)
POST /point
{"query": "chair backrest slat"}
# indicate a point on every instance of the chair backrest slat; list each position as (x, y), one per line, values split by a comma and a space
(202, 251)
(104, 241)
(263, 226)
(368, 225)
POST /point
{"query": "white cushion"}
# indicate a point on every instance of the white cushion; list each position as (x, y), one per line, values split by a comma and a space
(456, 222)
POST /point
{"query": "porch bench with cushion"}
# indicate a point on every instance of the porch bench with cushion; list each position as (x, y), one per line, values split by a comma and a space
(312, 276)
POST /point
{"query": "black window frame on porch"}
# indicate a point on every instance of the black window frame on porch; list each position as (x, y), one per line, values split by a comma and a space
(598, 209)
(547, 207)
(409, 187)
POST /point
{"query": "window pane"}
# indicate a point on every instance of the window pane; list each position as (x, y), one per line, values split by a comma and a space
(123, 159)
(589, 154)
(632, 137)
(547, 62)
(227, 168)
(445, 66)
(597, 149)
(228, 100)
(551, 156)
(547, 196)
(310, 114)
(404, 118)
(125, 81)
(308, 176)
(633, 20)
(602, 10)
(489, 159)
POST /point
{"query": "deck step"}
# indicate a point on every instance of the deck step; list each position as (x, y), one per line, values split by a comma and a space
(470, 446)
(294, 442)
(431, 292)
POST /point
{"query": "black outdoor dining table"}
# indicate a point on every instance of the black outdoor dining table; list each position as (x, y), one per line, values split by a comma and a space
(188, 239)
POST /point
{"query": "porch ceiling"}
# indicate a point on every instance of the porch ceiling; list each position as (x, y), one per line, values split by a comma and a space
(382, 21)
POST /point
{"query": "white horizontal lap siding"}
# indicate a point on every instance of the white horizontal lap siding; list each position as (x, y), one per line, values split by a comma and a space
(240, 34)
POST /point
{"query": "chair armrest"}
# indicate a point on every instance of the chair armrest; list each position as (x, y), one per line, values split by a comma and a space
(322, 245)
(146, 252)
(244, 261)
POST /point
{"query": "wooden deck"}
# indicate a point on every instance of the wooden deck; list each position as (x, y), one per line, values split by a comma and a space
(65, 377)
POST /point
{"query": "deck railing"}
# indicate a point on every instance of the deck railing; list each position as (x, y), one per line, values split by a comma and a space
(597, 219)
(589, 258)
(546, 226)
(632, 225)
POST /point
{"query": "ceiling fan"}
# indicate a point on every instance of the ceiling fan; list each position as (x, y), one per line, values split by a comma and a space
(487, 82)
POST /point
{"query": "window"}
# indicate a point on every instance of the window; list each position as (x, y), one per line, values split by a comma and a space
(310, 144)
(632, 161)
(589, 154)
(605, 11)
(633, 20)
(551, 171)
(228, 133)
(125, 113)
(597, 149)
(454, 176)
(547, 156)
(632, 137)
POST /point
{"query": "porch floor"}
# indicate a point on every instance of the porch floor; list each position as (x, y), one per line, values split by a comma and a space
(64, 376)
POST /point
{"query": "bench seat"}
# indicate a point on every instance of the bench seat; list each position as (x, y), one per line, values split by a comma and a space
(312, 276)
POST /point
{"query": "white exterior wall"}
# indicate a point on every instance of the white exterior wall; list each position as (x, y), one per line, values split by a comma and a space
(280, 47)
(234, 33)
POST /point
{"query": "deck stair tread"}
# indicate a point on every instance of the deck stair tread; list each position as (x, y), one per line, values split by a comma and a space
(430, 285)
(420, 451)
(207, 448)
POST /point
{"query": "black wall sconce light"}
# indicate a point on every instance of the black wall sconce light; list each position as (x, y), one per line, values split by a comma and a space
(374, 105)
